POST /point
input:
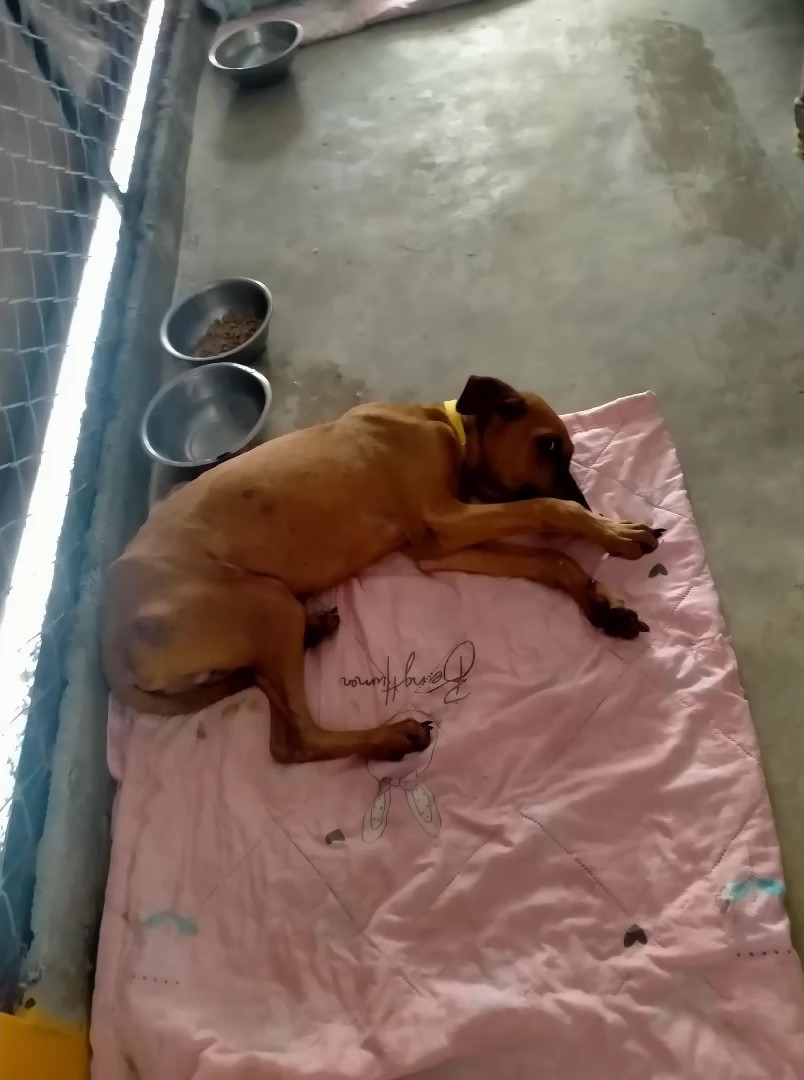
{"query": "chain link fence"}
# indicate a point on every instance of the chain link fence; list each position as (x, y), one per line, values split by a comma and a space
(65, 75)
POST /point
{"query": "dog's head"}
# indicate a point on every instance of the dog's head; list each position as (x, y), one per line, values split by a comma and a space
(518, 448)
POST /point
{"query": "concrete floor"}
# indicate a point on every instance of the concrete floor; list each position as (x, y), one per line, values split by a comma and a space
(587, 199)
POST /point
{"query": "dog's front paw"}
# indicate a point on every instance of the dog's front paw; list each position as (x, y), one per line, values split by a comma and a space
(404, 737)
(612, 616)
(627, 540)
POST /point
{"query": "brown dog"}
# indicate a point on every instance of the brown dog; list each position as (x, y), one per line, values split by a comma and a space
(214, 582)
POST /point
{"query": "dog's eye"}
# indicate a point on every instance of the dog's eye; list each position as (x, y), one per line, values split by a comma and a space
(548, 446)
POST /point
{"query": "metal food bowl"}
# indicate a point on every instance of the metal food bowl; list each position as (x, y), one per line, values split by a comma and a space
(188, 320)
(257, 54)
(206, 416)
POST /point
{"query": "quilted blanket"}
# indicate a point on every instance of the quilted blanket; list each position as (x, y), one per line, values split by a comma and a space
(578, 879)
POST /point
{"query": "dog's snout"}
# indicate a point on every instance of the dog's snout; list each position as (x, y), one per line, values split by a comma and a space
(526, 491)
(563, 487)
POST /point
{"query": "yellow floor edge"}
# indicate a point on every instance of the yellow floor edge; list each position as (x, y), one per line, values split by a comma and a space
(35, 1047)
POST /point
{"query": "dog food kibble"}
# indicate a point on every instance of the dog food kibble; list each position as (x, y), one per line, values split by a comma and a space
(226, 334)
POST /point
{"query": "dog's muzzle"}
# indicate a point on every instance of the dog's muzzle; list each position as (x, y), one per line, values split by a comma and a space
(566, 489)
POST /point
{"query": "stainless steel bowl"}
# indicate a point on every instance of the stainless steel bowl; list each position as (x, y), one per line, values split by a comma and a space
(188, 319)
(257, 54)
(206, 416)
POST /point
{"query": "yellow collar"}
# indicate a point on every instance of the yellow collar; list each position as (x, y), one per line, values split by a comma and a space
(455, 418)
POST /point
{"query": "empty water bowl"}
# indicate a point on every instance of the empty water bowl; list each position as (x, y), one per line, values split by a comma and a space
(258, 53)
(206, 416)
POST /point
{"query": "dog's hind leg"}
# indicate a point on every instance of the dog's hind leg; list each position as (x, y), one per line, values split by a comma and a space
(252, 627)
(280, 633)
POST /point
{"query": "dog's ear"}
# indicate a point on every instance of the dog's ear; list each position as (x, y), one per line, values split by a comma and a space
(484, 397)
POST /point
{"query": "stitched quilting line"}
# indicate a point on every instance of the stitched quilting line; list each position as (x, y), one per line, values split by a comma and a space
(638, 664)
(392, 963)
(685, 699)
(461, 869)
(564, 750)
(754, 807)
(594, 466)
(233, 870)
(728, 738)
(244, 858)
(388, 959)
(696, 580)
(602, 451)
(626, 980)
(707, 876)
(576, 859)
(315, 870)
(656, 936)
(605, 447)
(637, 494)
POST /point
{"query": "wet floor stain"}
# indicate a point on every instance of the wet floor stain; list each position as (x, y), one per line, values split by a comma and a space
(314, 394)
(698, 139)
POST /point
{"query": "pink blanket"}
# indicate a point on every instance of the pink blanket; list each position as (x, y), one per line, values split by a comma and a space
(323, 19)
(579, 879)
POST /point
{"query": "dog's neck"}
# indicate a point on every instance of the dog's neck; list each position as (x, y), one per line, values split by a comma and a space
(474, 484)
(456, 420)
